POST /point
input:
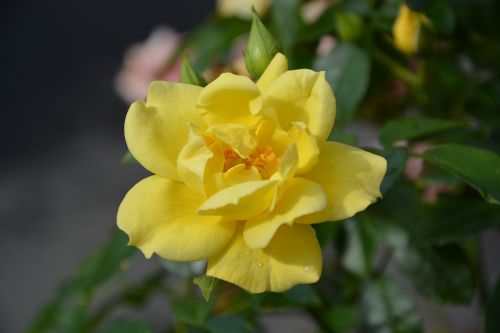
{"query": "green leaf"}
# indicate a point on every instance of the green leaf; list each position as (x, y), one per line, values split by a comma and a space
(385, 307)
(396, 162)
(128, 159)
(348, 25)
(326, 231)
(492, 322)
(213, 40)
(339, 136)
(105, 263)
(341, 319)
(414, 128)
(229, 324)
(390, 234)
(74, 320)
(190, 75)
(127, 326)
(183, 269)
(479, 168)
(443, 273)
(442, 16)
(46, 318)
(348, 71)
(287, 21)
(449, 220)
(207, 284)
(300, 296)
(303, 295)
(360, 249)
(190, 311)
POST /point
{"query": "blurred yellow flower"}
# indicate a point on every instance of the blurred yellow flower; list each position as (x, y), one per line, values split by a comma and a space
(406, 30)
(241, 171)
(242, 8)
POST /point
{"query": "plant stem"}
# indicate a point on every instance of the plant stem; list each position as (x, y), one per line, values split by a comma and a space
(415, 81)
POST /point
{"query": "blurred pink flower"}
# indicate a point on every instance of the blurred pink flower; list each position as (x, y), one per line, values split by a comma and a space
(144, 61)
(431, 193)
(326, 44)
(415, 165)
(312, 10)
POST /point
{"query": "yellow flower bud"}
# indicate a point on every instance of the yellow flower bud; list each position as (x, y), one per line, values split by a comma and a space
(406, 30)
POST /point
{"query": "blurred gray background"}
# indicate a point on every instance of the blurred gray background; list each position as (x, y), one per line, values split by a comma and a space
(61, 135)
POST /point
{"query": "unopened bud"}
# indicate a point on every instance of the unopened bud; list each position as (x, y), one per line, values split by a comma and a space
(261, 47)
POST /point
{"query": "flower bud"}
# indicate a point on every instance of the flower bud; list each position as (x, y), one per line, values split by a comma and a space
(189, 74)
(261, 47)
(406, 30)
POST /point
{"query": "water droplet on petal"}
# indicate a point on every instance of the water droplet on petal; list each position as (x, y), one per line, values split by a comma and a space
(307, 268)
(259, 264)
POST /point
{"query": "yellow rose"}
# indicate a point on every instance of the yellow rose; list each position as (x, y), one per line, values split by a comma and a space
(406, 30)
(242, 170)
(242, 8)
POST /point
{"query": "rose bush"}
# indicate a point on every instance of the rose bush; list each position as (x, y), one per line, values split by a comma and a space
(241, 171)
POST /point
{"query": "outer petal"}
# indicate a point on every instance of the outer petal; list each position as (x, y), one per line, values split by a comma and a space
(300, 96)
(159, 215)
(293, 256)
(302, 197)
(276, 67)
(240, 201)
(351, 178)
(157, 130)
(226, 100)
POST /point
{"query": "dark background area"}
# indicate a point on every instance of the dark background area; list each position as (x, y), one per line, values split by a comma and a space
(61, 135)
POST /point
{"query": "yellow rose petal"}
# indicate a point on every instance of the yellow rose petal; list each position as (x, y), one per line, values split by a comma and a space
(226, 100)
(301, 197)
(240, 201)
(237, 175)
(240, 138)
(157, 130)
(192, 162)
(292, 257)
(307, 147)
(351, 178)
(276, 67)
(300, 96)
(159, 216)
(289, 162)
(269, 133)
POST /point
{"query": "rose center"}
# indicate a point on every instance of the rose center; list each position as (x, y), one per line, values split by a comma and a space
(264, 159)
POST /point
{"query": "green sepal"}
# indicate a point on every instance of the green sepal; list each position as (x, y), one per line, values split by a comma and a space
(190, 75)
